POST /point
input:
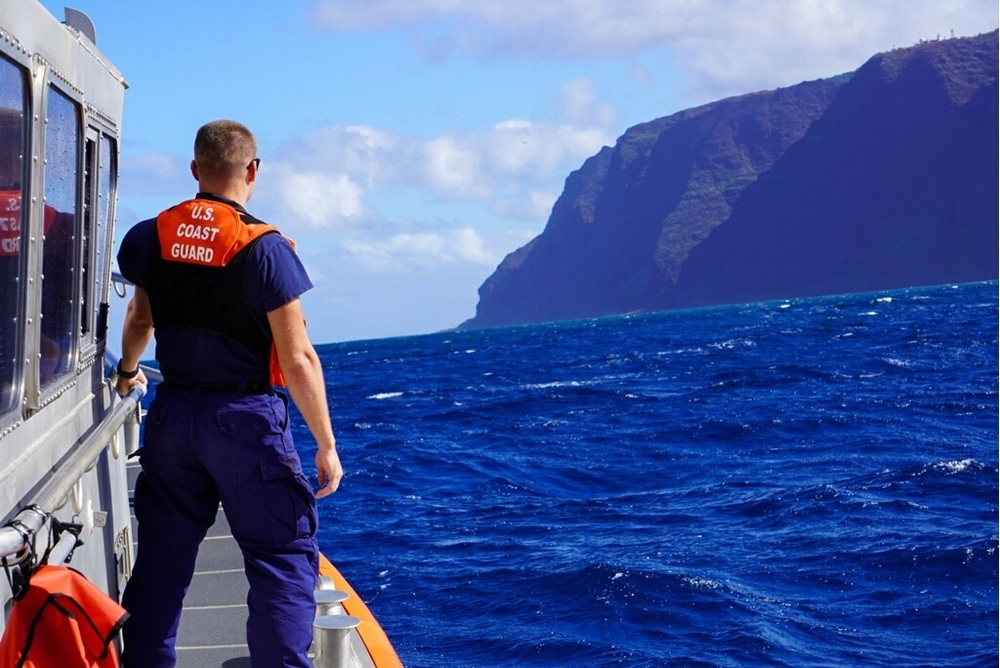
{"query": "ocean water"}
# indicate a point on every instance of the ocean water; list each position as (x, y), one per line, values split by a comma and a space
(802, 483)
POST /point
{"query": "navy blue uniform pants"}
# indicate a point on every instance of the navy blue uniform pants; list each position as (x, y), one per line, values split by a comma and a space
(200, 449)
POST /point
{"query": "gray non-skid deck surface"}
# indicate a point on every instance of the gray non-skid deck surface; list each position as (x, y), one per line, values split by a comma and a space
(213, 624)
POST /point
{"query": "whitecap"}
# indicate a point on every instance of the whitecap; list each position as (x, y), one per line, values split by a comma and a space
(556, 383)
(702, 583)
(731, 344)
(386, 395)
(956, 466)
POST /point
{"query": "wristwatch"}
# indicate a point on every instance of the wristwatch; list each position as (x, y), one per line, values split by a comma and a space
(127, 375)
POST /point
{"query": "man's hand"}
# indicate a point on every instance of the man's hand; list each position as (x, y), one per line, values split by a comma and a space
(328, 472)
(124, 386)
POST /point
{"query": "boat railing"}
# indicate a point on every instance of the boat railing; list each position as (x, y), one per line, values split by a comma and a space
(17, 536)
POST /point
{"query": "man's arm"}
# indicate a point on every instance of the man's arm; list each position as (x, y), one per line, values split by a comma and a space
(136, 333)
(303, 374)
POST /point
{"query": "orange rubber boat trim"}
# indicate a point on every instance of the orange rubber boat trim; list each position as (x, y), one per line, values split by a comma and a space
(374, 638)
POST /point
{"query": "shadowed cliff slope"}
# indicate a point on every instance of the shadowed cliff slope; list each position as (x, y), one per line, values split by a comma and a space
(883, 178)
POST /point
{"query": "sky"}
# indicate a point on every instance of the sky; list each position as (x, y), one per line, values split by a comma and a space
(407, 146)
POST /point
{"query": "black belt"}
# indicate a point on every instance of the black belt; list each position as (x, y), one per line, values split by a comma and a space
(235, 387)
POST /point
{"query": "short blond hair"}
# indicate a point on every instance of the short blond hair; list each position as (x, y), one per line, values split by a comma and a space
(223, 149)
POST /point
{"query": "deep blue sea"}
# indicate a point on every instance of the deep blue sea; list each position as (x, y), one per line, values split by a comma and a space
(801, 483)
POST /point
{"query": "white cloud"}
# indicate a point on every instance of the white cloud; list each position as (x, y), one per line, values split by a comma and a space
(367, 154)
(577, 27)
(470, 247)
(383, 203)
(319, 200)
(424, 249)
(332, 179)
(538, 149)
(580, 104)
(510, 158)
(722, 46)
(451, 166)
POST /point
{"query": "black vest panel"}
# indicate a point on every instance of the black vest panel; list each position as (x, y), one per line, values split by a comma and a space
(207, 299)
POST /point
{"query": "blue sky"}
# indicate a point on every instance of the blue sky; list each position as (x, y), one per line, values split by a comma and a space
(409, 145)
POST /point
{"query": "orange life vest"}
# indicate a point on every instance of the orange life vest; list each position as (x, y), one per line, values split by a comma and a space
(63, 621)
(205, 232)
(210, 233)
(10, 222)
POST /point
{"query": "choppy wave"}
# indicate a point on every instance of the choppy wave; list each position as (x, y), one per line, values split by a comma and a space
(804, 483)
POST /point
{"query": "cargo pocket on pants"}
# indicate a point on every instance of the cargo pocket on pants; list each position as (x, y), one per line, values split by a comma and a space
(288, 503)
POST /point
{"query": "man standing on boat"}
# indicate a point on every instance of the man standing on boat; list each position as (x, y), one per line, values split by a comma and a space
(222, 289)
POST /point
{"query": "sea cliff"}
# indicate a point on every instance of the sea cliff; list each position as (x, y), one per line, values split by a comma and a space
(880, 178)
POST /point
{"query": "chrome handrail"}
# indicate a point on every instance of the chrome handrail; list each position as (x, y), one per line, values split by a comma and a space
(32, 518)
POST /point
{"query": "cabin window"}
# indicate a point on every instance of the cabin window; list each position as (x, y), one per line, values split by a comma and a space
(98, 163)
(62, 141)
(87, 236)
(13, 91)
(105, 195)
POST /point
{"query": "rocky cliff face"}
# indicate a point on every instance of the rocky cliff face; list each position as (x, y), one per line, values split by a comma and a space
(883, 178)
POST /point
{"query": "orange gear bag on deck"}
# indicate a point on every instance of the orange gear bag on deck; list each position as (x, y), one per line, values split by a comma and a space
(63, 621)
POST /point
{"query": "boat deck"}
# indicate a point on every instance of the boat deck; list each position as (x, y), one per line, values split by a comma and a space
(212, 631)
(213, 624)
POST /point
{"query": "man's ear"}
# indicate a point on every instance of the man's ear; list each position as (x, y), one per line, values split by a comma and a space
(194, 170)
